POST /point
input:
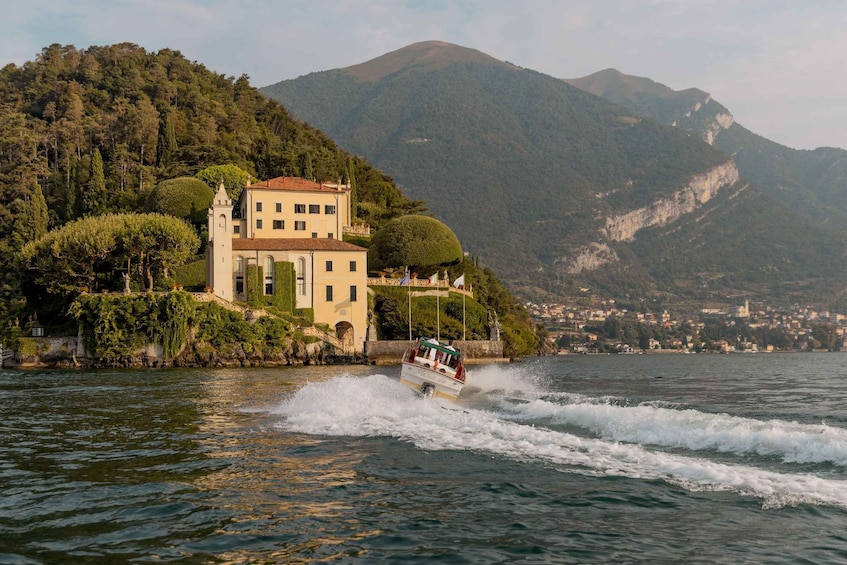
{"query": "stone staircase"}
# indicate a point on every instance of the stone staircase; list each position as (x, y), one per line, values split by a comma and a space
(254, 314)
(326, 338)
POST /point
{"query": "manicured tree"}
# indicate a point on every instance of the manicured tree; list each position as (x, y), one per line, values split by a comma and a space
(182, 197)
(414, 241)
(88, 251)
(66, 259)
(160, 243)
(234, 178)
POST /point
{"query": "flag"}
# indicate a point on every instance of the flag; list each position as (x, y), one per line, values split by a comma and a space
(434, 278)
(460, 282)
(405, 280)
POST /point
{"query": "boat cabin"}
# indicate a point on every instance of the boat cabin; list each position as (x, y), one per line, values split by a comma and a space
(444, 358)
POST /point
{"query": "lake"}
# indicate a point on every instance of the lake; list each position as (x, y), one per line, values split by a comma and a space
(572, 459)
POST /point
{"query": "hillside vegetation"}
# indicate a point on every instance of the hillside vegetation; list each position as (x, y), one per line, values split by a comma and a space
(497, 148)
(91, 133)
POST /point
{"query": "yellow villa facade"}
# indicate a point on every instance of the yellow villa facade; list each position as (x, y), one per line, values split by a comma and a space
(296, 221)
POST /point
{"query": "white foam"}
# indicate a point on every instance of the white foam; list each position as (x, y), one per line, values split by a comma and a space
(379, 406)
(690, 429)
(505, 379)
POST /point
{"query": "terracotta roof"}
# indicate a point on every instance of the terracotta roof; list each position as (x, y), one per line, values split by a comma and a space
(293, 244)
(297, 184)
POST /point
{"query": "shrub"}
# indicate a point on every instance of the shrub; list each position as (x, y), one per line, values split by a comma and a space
(233, 177)
(191, 275)
(415, 241)
(183, 197)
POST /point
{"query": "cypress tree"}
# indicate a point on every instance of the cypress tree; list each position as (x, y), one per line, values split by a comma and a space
(308, 170)
(94, 195)
(166, 145)
(79, 180)
(351, 178)
(38, 206)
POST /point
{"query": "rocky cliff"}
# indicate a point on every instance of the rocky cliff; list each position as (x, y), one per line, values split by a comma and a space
(588, 258)
(700, 190)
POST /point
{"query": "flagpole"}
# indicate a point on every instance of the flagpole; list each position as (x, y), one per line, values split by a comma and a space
(410, 308)
(438, 312)
(464, 337)
(459, 283)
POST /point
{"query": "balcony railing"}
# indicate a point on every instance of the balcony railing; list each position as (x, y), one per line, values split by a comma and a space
(419, 284)
(357, 229)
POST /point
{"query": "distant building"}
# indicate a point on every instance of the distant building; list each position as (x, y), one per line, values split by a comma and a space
(741, 311)
(298, 222)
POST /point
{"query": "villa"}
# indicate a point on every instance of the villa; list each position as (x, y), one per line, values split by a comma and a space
(290, 228)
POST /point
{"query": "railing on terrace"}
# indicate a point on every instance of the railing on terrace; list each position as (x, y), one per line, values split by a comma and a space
(421, 284)
(357, 229)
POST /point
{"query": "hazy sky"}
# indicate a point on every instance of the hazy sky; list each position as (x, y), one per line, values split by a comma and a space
(777, 65)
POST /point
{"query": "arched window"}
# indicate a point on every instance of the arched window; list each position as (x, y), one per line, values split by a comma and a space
(239, 275)
(269, 275)
(301, 276)
(222, 223)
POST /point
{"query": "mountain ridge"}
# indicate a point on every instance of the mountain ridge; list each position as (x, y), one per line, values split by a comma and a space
(501, 149)
(424, 55)
(811, 181)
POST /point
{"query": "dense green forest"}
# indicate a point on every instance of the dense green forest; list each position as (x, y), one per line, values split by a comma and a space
(87, 136)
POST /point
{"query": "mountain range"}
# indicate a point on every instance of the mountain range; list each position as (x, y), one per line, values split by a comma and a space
(610, 182)
(812, 182)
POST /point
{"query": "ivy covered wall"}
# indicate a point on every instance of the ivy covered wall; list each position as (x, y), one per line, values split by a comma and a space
(116, 327)
(285, 281)
(253, 285)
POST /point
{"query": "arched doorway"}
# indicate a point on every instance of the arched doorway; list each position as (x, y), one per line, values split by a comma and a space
(345, 334)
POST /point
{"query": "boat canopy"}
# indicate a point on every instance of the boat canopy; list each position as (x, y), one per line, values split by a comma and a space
(437, 345)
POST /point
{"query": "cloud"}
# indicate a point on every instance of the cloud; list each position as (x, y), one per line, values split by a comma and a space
(774, 64)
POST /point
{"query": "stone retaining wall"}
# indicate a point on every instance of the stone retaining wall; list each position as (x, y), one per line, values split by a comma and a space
(476, 352)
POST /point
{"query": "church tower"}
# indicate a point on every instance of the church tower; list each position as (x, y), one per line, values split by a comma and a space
(219, 274)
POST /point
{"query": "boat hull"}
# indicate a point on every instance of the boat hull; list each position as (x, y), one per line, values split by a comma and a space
(415, 377)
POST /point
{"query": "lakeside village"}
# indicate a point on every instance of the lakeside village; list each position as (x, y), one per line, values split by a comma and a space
(609, 329)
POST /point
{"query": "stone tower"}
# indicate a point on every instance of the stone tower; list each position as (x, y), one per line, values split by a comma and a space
(219, 274)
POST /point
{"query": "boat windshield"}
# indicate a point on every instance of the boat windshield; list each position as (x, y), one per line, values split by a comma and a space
(433, 344)
(441, 354)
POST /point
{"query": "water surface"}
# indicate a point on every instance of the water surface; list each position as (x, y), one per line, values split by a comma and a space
(695, 458)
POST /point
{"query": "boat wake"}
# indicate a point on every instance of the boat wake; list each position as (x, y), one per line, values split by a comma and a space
(513, 418)
(650, 424)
